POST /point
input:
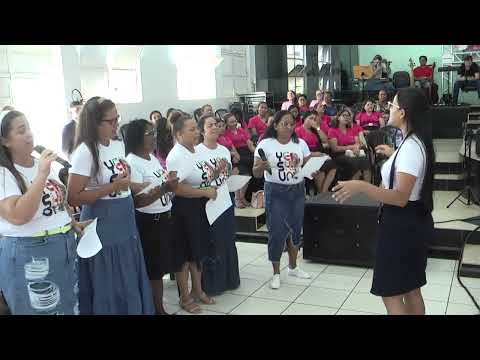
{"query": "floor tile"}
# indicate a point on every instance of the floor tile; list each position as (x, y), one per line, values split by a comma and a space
(439, 277)
(351, 312)
(303, 309)
(286, 292)
(345, 270)
(204, 312)
(459, 295)
(311, 266)
(256, 273)
(435, 307)
(247, 287)
(256, 306)
(436, 292)
(225, 303)
(461, 309)
(323, 297)
(364, 285)
(336, 281)
(434, 264)
(170, 308)
(364, 302)
(470, 283)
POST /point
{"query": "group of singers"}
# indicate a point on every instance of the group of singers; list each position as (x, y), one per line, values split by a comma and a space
(147, 234)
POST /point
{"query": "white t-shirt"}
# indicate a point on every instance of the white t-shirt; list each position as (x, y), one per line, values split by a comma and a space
(204, 155)
(112, 163)
(147, 171)
(51, 213)
(410, 160)
(181, 160)
(285, 160)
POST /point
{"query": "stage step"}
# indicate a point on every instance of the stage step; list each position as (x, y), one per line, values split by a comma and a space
(249, 219)
(449, 182)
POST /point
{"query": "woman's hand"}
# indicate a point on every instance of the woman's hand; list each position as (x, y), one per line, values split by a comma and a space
(235, 157)
(346, 189)
(263, 165)
(79, 227)
(211, 193)
(172, 182)
(384, 150)
(122, 181)
(356, 149)
(46, 159)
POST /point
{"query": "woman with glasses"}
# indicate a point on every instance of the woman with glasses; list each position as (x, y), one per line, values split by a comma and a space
(406, 194)
(285, 154)
(154, 220)
(220, 270)
(115, 280)
(346, 147)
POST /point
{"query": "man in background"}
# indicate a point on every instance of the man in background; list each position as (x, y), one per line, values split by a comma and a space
(468, 75)
(68, 133)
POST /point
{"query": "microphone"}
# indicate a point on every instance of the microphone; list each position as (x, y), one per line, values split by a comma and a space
(39, 149)
(264, 158)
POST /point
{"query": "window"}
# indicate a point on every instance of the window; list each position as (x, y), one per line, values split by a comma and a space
(196, 66)
(324, 57)
(32, 82)
(232, 74)
(295, 56)
(111, 71)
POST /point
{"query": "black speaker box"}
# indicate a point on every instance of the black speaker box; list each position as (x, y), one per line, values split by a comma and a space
(342, 234)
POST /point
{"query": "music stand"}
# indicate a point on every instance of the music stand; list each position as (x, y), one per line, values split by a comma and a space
(362, 73)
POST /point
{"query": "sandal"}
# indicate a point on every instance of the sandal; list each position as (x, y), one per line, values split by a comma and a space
(204, 298)
(239, 204)
(190, 306)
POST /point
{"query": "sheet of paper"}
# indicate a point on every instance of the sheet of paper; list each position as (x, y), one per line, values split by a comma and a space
(217, 207)
(89, 244)
(236, 182)
(313, 164)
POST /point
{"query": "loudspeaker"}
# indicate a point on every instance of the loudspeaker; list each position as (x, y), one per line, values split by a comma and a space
(342, 234)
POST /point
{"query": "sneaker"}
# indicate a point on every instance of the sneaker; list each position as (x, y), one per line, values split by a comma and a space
(297, 272)
(275, 284)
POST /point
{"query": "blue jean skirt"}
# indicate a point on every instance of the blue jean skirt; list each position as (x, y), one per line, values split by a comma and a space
(115, 281)
(284, 207)
(38, 275)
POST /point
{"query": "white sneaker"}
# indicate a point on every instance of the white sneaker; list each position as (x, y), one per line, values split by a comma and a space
(275, 284)
(297, 272)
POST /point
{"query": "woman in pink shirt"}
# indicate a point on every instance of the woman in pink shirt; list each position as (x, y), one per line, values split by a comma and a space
(368, 117)
(270, 115)
(318, 99)
(258, 123)
(303, 104)
(245, 148)
(345, 144)
(314, 137)
(295, 111)
(292, 100)
(323, 119)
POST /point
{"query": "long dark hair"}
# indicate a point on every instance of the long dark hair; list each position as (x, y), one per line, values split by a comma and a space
(87, 129)
(5, 155)
(335, 122)
(155, 112)
(272, 133)
(164, 137)
(418, 117)
(312, 129)
(135, 135)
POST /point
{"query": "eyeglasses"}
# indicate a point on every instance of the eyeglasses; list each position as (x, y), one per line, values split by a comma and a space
(150, 133)
(286, 125)
(392, 104)
(112, 121)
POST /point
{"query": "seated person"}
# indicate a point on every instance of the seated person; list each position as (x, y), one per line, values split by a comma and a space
(345, 145)
(318, 99)
(295, 111)
(379, 80)
(258, 123)
(245, 148)
(292, 100)
(381, 105)
(330, 109)
(303, 103)
(368, 118)
(238, 113)
(314, 139)
(468, 75)
(423, 74)
(270, 115)
(323, 119)
(207, 108)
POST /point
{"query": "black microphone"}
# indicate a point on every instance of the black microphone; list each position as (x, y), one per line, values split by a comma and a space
(264, 158)
(39, 149)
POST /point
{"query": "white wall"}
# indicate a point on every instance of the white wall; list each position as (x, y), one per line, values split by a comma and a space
(159, 82)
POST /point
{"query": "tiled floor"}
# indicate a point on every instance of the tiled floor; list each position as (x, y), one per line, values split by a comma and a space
(332, 290)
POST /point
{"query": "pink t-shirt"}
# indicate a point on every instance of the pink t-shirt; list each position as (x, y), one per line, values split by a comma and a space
(325, 123)
(258, 124)
(343, 139)
(304, 109)
(239, 138)
(225, 141)
(286, 105)
(356, 128)
(364, 119)
(310, 138)
(298, 122)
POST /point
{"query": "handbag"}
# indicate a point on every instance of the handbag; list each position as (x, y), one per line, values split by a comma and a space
(258, 201)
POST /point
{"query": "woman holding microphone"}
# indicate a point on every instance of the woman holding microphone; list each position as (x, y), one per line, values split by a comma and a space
(405, 221)
(114, 281)
(38, 252)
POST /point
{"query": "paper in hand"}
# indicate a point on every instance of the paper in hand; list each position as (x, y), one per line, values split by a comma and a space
(89, 244)
(236, 182)
(215, 208)
(313, 164)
